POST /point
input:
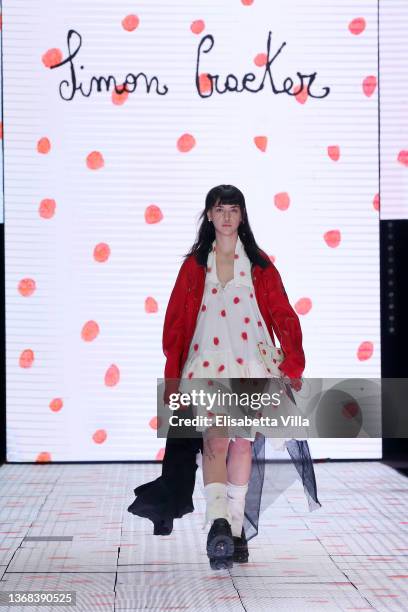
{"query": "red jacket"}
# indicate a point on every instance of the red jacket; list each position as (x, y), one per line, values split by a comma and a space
(185, 301)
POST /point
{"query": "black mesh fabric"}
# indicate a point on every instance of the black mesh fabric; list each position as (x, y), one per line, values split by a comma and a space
(271, 477)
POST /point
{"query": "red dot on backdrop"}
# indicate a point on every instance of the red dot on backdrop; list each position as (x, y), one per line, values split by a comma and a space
(369, 85)
(153, 214)
(260, 59)
(403, 158)
(52, 57)
(101, 252)
(155, 422)
(26, 358)
(301, 94)
(90, 331)
(185, 143)
(261, 142)
(332, 238)
(197, 26)
(43, 145)
(160, 454)
(204, 83)
(94, 160)
(43, 457)
(247, 2)
(121, 97)
(46, 209)
(151, 305)
(99, 436)
(365, 351)
(350, 410)
(282, 200)
(303, 305)
(56, 404)
(357, 26)
(334, 152)
(112, 376)
(130, 23)
(26, 287)
(376, 202)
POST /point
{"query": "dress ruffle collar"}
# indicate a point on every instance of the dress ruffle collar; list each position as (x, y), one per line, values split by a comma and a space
(242, 266)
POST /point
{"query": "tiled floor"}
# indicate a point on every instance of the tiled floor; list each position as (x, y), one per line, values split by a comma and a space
(352, 554)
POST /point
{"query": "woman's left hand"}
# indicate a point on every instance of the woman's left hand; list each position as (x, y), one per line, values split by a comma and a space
(295, 383)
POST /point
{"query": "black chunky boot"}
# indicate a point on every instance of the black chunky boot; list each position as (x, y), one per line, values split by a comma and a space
(241, 553)
(220, 545)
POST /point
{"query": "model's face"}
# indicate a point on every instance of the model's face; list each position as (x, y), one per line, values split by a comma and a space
(226, 218)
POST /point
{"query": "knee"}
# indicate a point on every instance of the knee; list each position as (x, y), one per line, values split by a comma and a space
(218, 445)
(240, 447)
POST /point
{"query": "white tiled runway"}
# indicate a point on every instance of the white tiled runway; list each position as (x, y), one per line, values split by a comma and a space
(352, 554)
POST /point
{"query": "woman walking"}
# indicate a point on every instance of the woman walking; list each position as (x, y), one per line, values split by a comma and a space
(228, 298)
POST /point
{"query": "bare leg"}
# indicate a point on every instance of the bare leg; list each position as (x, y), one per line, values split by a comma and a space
(215, 475)
(215, 451)
(238, 472)
(239, 461)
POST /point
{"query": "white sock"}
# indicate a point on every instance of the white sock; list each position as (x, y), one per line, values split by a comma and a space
(216, 502)
(236, 502)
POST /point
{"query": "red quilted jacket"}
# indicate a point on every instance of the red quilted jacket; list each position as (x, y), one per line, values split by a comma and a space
(184, 304)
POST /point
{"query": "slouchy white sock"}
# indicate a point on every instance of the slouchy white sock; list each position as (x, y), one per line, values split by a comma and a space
(236, 502)
(216, 502)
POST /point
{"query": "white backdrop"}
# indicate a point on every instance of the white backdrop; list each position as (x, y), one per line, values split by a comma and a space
(394, 109)
(103, 193)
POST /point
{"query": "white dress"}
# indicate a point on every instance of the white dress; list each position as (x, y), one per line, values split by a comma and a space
(229, 326)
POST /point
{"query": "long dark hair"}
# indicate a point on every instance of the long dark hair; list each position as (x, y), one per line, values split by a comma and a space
(225, 194)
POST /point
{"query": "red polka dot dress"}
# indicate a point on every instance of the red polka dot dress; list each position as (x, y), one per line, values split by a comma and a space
(229, 326)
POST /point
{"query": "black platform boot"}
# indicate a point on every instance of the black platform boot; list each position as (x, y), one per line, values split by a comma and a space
(220, 545)
(241, 553)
